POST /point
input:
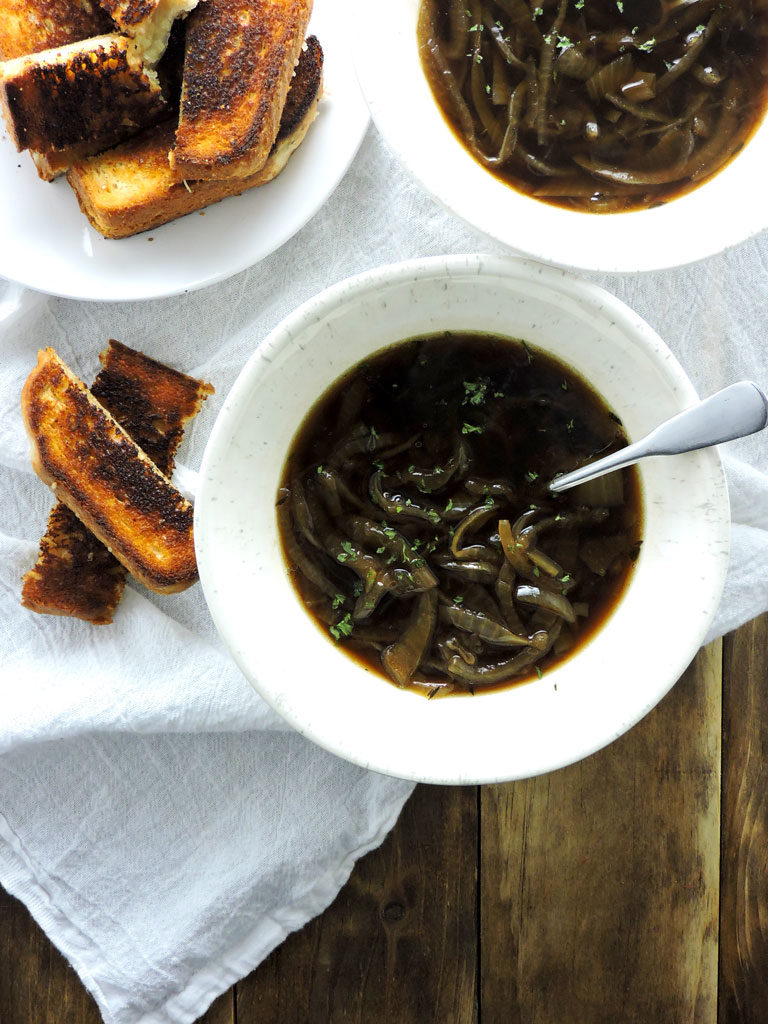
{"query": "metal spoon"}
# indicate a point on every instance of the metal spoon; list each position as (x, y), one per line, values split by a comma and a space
(736, 411)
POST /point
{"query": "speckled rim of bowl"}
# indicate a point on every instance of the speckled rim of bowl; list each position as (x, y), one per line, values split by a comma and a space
(717, 215)
(516, 733)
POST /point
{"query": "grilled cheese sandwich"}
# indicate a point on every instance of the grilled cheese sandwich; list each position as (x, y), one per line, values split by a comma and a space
(148, 22)
(75, 575)
(28, 26)
(238, 63)
(101, 474)
(91, 93)
(131, 188)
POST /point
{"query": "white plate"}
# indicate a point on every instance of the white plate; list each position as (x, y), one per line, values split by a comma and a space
(726, 210)
(46, 243)
(578, 706)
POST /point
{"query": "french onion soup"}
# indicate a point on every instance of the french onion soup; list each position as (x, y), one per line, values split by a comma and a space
(417, 524)
(598, 105)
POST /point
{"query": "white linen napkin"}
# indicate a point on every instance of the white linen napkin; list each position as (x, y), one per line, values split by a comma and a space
(160, 822)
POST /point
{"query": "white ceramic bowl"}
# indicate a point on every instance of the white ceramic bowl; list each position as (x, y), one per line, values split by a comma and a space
(578, 707)
(726, 210)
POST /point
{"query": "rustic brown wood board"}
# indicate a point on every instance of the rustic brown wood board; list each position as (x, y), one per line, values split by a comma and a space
(631, 888)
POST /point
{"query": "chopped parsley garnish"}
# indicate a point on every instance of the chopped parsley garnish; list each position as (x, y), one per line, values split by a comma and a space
(342, 628)
(474, 392)
(347, 550)
(469, 428)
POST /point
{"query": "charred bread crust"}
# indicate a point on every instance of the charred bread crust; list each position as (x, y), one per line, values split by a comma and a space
(306, 86)
(95, 468)
(28, 26)
(75, 574)
(238, 64)
(151, 401)
(96, 92)
(132, 188)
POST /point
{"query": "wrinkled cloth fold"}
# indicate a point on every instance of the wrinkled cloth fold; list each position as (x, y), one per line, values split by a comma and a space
(162, 824)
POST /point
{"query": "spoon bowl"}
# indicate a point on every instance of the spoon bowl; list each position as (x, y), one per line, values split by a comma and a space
(736, 411)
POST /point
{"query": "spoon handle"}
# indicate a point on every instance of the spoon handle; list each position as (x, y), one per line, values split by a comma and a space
(736, 411)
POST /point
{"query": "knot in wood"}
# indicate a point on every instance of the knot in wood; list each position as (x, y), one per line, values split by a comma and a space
(393, 911)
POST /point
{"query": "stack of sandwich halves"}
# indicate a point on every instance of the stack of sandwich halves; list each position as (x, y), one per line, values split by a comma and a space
(156, 108)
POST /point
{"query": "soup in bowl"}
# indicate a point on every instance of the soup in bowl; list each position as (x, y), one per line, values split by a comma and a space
(294, 632)
(524, 119)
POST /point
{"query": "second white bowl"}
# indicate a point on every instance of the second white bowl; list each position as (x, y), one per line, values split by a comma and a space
(726, 210)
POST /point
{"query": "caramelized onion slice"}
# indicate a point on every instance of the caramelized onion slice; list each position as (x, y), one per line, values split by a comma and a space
(402, 658)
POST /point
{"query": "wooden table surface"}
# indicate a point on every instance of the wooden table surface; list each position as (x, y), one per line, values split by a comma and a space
(631, 888)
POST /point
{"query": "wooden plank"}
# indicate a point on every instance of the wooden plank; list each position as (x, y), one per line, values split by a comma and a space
(37, 985)
(744, 878)
(221, 1010)
(398, 944)
(599, 883)
(36, 982)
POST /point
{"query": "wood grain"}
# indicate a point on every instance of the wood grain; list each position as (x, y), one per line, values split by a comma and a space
(36, 983)
(599, 883)
(399, 943)
(744, 882)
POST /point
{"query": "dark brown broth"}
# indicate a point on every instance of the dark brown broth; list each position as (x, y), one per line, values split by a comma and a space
(516, 417)
(629, 140)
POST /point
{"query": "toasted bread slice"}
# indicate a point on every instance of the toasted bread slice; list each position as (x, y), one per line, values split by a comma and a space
(151, 401)
(28, 26)
(116, 491)
(94, 92)
(148, 22)
(238, 63)
(75, 574)
(132, 188)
